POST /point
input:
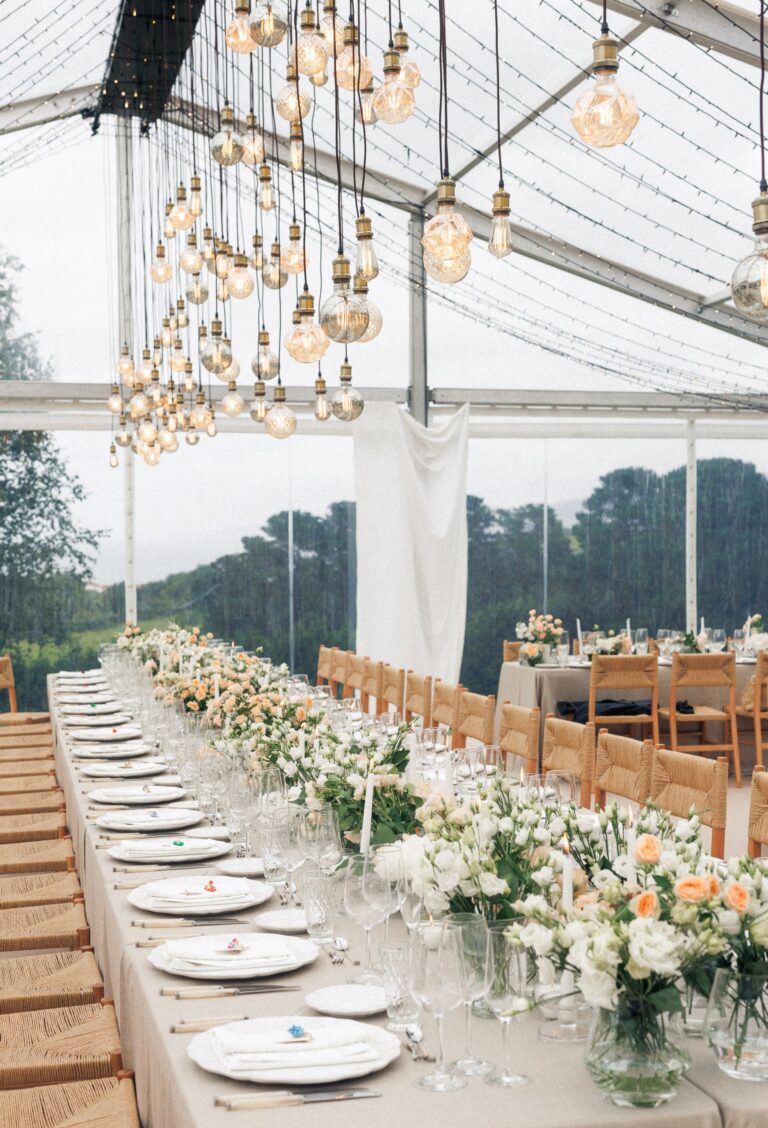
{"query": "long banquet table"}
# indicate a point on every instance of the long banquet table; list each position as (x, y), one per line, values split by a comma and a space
(174, 1093)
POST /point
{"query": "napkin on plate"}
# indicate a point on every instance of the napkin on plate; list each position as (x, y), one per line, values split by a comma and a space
(194, 895)
(154, 848)
(247, 1047)
(261, 953)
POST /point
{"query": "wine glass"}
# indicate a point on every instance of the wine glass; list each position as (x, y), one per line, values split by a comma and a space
(437, 984)
(473, 931)
(563, 783)
(719, 640)
(367, 899)
(322, 837)
(641, 640)
(739, 641)
(411, 901)
(288, 842)
(388, 861)
(505, 993)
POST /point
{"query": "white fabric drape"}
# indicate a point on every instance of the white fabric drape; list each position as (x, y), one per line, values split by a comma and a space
(411, 484)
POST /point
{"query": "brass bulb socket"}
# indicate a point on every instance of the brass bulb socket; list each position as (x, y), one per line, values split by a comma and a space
(258, 242)
(168, 207)
(177, 343)
(200, 397)
(501, 202)
(259, 389)
(360, 284)
(242, 9)
(368, 88)
(446, 191)
(307, 19)
(329, 7)
(345, 373)
(240, 261)
(296, 131)
(145, 354)
(192, 240)
(265, 173)
(279, 394)
(263, 338)
(202, 332)
(124, 350)
(296, 317)
(291, 72)
(400, 40)
(155, 376)
(605, 55)
(160, 251)
(232, 386)
(207, 234)
(760, 214)
(166, 325)
(180, 307)
(195, 182)
(391, 62)
(227, 116)
(351, 35)
(294, 232)
(181, 194)
(341, 269)
(115, 390)
(320, 387)
(226, 341)
(250, 121)
(306, 303)
(216, 327)
(363, 227)
(275, 250)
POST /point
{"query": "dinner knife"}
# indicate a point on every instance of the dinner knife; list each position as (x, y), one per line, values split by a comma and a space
(222, 992)
(286, 1098)
(188, 922)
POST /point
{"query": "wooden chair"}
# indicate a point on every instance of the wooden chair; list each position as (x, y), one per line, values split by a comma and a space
(569, 747)
(108, 1102)
(30, 755)
(52, 979)
(38, 857)
(370, 692)
(699, 671)
(17, 742)
(519, 735)
(7, 681)
(339, 664)
(623, 767)
(510, 650)
(392, 689)
(18, 785)
(44, 926)
(355, 675)
(11, 768)
(324, 665)
(32, 802)
(758, 712)
(757, 822)
(621, 673)
(39, 889)
(418, 698)
(33, 728)
(33, 828)
(680, 782)
(445, 704)
(477, 717)
(47, 1047)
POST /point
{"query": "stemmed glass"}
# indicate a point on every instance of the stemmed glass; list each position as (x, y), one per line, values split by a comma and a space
(437, 983)
(505, 993)
(473, 931)
(390, 863)
(411, 901)
(564, 785)
(739, 642)
(719, 640)
(287, 837)
(322, 837)
(367, 899)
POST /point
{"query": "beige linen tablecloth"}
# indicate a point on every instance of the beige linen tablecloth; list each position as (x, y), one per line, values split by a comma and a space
(175, 1093)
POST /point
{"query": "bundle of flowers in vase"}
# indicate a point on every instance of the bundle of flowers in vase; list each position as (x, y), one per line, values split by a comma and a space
(539, 636)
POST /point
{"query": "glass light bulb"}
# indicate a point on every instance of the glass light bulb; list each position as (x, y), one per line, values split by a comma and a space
(192, 438)
(265, 364)
(306, 343)
(266, 196)
(181, 315)
(256, 261)
(122, 438)
(147, 431)
(180, 216)
(280, 421)
(222, 293)
(410, 75)
(227, 146)
(152, 455)
(332, 28)
(144, 372)
(749, 284)
(393, 101)
(364, 109)
(347, 403)
(273, 274)
(231, 374)
(366, 262)
(167, 440)
(344, 316)
(191, 261)
(232, 403)
(200, 416)
(349, 65)
(195, 203)
(297, 154)
(375, 322)
(500, 244)
(268, 25)
(124, 367)
(178, 360)
(223, 263)
(447, 269)
(212, 430)
(289, 106)
(292, 257)
(216, 356)
(166, 340)
(311, 53)
(604, 114)
(447, 234)
(238, 34)
(169, 230)
(115, 403)
(240, 283)
(161, 270)
(253, 148)
(197, 293)
(138, 405)
(322, 407)
(258, 409)
(113, 457)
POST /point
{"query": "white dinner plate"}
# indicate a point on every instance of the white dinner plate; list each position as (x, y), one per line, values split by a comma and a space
(256, 894)
(91, 709)
(96, 672)
(204, 1051)
(111, 734)
(242, 867)
(348, 1000)
(89, 721)
(127, 771)
(137, 795)
(212, 832)
(282, 920)
(170, 850)
(86, 697)
(151, 819)
(303, 952)
(126, 751)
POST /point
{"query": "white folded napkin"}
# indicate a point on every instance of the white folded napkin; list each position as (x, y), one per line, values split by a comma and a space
(192, 894)
(259, 954)
(154, 848)
(252, 1046)
(153, 819)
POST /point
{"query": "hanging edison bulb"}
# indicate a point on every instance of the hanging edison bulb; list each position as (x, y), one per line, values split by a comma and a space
(154, 391)
(191, 438)
(124, 365)
(311, 47)
(195, 198)
(197, 293)
(296, 147)
(147, 431)
(191, 261)
(292, 101)
(232, 403)
(157, 354)
(216, 354)
(144, 370)
(292, 258)
(352, 68)
(152, 455)
(280, 422)
(161, 270)
(115, 401)
(122, 437)
(231, 373)
(180, 215)
(209, 251)
(366, 262)
(268, 24)
(167, 440)
(138, 405)
(240, 282)
(306, 342)
(319, 79)
(253, 145)
(500, 243)
(265, 365)
(749, 284)
(178, 359)
(224, 261)
(332, 28)
(393, 101)
(113, 456)
(256, 261)
(343, 317)
(200, 415)
(273, 274)
(166, 338)
(222, 293)
(227, 144)
(266, 190)
(375, 320)
(347, 403)
(211, 430)
(446, 238)
(604, 114)
(364, 109)
(172, 320)
(169, 230)
(238, 34)
(181, 314)
(258, 408)
(410, 75)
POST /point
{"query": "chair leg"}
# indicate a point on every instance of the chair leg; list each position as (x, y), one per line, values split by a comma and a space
(758, 721)
(673, 730)
(736, 751)
(585, 795)
(718, 842)
(754, 848)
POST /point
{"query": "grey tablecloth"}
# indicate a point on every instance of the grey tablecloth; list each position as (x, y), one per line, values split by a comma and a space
(175, 1093)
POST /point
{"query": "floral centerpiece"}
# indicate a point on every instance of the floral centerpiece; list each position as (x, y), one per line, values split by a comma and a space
(608, 642)
(538, 636)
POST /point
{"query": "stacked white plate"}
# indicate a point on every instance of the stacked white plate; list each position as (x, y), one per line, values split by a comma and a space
(81, 675)
(89, 721)
(168, 850)
(264, 1050)
(137, 795)
(228, 956)
(199, 896)
(128, 750)
(86, 697)
(90, 709)
(108, 735)
(135, 770)
(150, 819)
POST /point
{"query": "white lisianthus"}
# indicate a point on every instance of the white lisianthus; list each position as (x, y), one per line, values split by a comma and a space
(492, 885)
(655, 945)
(537, 937)
(598, 988)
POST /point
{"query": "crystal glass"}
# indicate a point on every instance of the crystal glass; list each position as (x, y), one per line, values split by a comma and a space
(739, 641)
(736, 1025)
(410, 900)
(275, 872)
(402, 1008)
(563, 649)
(635, 1054)
(505, 993)
(288, 841)
(641, 640)
(437, 984)
(322, 837)
(563, 784)
(473, 931)
(719, 640)
(389, 862)
(562, 1006)
(367, 899)
(318, 900)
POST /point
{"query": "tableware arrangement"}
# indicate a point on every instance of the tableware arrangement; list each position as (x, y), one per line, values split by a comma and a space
(290, 921)
(127, 750)
(115, 770)
(137, 795)
(168, 850)
(107, 735)
(150, 819)
(201, 896)
(239, 956)
(90, 721)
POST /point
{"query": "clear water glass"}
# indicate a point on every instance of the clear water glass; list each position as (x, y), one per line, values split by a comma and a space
(437, 984)
(318, 900)
(367, 899)
(641, 640)
(402, 1008)
(505, 993)
(473, 931)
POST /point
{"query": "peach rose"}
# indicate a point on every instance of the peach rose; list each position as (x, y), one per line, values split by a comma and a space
(647, 849)
(301, 714)
(692, 889)
(713, 885)
(645, 904)
(737, 897)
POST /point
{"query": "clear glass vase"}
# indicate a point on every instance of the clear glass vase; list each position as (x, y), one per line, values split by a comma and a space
(635, 1055)
(736, 1025)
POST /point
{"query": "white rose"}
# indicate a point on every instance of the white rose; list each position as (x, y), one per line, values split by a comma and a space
(598, 988)
(729, 921)
(655, 945)
(492, 885)
(537, 937)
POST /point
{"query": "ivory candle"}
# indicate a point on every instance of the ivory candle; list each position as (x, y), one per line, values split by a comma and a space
(365, 833)
(567, 876)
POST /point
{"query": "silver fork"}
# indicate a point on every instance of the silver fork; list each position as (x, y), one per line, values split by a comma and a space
(336, 957)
